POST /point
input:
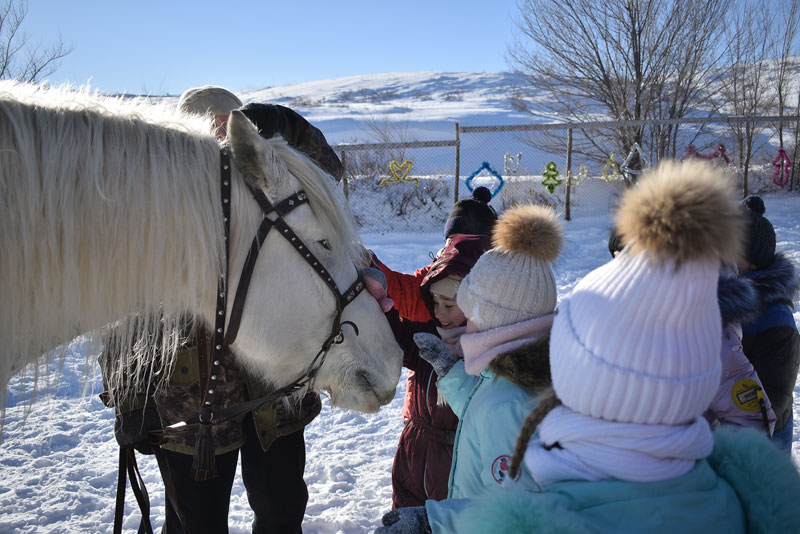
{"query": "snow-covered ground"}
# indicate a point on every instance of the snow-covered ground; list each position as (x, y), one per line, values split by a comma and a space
(58, 466)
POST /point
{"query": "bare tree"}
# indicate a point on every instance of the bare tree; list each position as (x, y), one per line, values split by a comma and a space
(785, 47)
(745, 89)
(19, 59)
(624, 59)
(787, 50)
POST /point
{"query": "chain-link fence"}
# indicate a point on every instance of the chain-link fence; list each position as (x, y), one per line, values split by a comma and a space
(406, 187)
(576, 168)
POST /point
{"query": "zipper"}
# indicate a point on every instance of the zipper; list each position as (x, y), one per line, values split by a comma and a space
(428, 391)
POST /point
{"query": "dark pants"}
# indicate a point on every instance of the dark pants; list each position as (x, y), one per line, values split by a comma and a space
(274, 482)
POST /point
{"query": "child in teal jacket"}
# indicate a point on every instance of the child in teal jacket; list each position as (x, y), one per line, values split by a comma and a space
(508, 298)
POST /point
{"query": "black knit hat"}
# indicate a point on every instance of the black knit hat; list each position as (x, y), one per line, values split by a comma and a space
(760, 238)
(472, 215)
(298, 132)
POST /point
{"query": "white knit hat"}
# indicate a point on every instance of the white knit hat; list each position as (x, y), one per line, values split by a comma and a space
(208, 99)
(638, 339)
(447, 286)
(514, 281)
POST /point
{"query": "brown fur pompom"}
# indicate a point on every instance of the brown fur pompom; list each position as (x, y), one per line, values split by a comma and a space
(682, 211)
(531, 229)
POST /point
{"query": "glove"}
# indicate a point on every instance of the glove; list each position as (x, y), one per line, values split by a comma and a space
(436, 352)
(132, 429)
(411, 520)
(375, 282)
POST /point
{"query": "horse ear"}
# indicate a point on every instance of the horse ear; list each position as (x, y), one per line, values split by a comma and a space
(250, 153)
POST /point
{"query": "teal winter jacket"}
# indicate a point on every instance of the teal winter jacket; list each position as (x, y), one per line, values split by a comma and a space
(491, 408)
(746, 485)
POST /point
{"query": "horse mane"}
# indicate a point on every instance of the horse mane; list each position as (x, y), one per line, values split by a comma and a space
(73, 162)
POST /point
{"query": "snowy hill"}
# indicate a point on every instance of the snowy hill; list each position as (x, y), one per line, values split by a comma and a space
(429, 101)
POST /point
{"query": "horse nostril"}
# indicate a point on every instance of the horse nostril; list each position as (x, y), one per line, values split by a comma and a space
(363, 380)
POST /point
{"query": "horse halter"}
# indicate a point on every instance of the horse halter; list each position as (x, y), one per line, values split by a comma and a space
(224, 338)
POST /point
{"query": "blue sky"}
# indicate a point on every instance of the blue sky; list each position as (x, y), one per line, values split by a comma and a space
(165, 46)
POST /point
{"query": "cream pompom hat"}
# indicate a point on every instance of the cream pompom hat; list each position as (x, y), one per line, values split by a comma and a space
(514, 281)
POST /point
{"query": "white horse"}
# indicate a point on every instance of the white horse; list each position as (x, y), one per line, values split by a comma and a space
(110, 208)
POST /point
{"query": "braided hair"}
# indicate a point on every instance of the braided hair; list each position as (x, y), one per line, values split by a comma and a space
(547, 402)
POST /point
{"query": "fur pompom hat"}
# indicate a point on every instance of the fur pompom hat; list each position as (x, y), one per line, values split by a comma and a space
(514, 281)
(471, 215)
(208, 99)
(638, 339)
(759, 248)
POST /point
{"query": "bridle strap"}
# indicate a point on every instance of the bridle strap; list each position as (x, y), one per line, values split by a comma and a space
(224, 337)
(209, 393)
(282, 208)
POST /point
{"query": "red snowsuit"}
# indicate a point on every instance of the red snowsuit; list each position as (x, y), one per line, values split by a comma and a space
(421, 466)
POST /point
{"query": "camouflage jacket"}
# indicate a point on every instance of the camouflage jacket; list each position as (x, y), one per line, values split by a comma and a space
(179, 400)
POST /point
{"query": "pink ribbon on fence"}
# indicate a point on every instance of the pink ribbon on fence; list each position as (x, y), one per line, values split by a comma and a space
(720, 152)
(782, 163)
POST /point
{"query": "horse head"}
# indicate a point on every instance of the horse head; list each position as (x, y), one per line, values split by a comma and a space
(290, 310)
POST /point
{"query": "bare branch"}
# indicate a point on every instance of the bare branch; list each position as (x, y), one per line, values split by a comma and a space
(18, 58)
(622, 59)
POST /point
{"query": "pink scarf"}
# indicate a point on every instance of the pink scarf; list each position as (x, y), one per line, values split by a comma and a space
(452, 336)
(480, 348)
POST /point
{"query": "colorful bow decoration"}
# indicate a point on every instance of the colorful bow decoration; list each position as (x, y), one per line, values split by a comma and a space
(509, 160)
(612, 165)
(551, 180)
(577, 179)
(400, 172)
(488, 168)
(719, 153)
(782, 164)
(635, 149)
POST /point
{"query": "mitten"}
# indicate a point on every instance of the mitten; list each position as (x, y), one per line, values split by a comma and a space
(436, 352)
(375, 282)
(411, 520)
(132, 429)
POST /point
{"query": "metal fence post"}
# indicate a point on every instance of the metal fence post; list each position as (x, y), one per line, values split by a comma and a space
(569, 173)
(458, 165)
(344, 176)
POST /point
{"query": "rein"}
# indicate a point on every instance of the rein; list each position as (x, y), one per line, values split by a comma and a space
(223, 338)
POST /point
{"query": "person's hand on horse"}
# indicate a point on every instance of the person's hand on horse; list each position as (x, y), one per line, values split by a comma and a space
(436, 352)
(375, 283)
(412, 520)
(132, 429)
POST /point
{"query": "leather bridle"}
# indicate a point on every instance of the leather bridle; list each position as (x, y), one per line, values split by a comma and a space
(224, 337)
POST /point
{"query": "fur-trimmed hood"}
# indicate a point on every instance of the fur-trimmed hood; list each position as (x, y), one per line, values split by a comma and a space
(738, 302)
(777, 283)
(528, 365)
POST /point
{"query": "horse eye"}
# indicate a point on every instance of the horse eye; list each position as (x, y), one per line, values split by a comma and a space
(325, 244)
